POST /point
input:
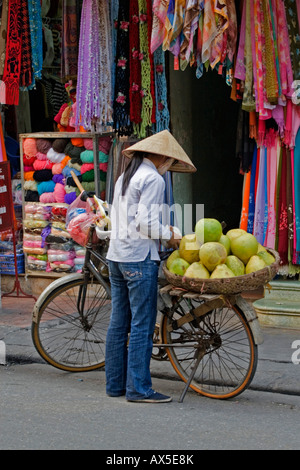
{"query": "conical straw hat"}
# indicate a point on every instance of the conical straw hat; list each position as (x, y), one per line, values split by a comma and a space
(163, 143)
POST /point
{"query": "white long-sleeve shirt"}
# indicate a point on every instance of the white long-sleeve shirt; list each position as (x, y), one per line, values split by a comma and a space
(136, 228)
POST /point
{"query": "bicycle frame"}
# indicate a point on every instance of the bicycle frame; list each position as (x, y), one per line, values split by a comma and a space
(89, 268)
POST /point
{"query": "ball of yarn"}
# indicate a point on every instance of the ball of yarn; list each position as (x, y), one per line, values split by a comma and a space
(30, 185)
(57, 169)
(43, 145)
(46, 187)
(58, 116)
(77, 166)
(31, 196)
(73, 151)
(28, 168)
(54, 156)
(86, 167)
(28, 161)
(88, 143)
(88, 176)
(47, 198)
(71, 182)
(42, 165)
(58, 178)
(41, 156)
(67, 171)
(87, 156)
(70, 197)
(42, 175)
(77, 142)
(29, 175)
(29, 147)
(59, 145)
(103, 157)
(59, 192)
(103, 167)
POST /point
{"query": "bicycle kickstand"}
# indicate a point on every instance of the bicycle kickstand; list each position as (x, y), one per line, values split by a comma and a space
(199, 355)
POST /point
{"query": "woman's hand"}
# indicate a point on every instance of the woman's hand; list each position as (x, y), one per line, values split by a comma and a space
(174, 241)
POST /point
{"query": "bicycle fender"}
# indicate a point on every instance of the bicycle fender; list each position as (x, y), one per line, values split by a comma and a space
(50, 288)
(252, 319)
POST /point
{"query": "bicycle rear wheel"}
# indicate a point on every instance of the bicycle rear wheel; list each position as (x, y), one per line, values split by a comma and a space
(64, 338)
(224, 337)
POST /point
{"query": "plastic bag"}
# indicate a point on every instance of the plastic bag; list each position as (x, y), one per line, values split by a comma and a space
(79, 219)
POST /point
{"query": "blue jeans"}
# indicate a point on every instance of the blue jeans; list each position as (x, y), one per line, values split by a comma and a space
(134, 309)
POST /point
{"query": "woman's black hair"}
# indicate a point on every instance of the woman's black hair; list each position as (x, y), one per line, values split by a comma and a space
(131, 169)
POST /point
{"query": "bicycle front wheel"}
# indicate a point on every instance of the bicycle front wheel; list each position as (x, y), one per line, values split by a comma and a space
(70, 340)
(229, 353)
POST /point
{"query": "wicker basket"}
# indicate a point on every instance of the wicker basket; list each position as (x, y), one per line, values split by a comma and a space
(233, 285)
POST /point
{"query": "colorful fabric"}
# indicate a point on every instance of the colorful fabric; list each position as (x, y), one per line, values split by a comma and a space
(70, 35)
(36, 38)
(26, 68)
(160, 8)
(162, 110)
(12, 68)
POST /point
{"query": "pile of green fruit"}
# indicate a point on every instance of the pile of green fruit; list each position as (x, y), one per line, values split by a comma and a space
(210, 254)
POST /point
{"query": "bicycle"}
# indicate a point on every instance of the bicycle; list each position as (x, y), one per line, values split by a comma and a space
(210, 340)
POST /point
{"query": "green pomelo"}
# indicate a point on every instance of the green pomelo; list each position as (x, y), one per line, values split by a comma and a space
(234, 233)
(260, 248)
(212, 254)
(172, 257)
(189, 248)
(197, 271)
(179, 266)
(267, 257)
(208, 230)
(221, 271)
(244, 247)
(255, 263)
(226, 242)
(235, 264)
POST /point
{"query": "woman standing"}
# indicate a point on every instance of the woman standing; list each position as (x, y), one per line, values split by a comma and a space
(133, 264)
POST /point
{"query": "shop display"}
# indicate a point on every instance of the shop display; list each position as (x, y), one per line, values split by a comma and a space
(49, 189)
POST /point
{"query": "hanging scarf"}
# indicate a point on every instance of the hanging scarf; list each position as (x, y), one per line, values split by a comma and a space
(3, 34)
(160, 8)
(152, 84)
(245, 201)
(221, 14)
(135, 65)
(296, 258)
(12, 68)
(69, 51)
(271, 189)
(162, 111)
(289, 198)
(284, 57)
(87, 96)
(190, 25)
(26, 68)
(209, 30)
(121, 104)
(282, 212)
(259, 218)
(36, 38)
(251, 206)
(240, 66)
(248, 103)
(105, 60)
(146, 82)
(294, 36)
(114, 9)
(270, 60)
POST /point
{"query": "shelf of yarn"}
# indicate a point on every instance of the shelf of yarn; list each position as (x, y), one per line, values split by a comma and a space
(47, 245)
(47, 160)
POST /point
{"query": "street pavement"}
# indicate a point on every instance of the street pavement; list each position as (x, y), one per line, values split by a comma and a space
(278, 369)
